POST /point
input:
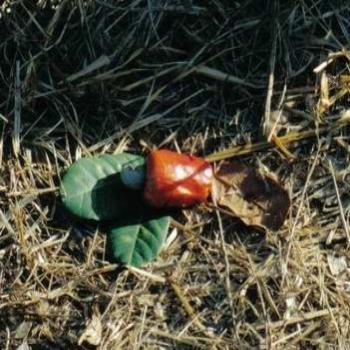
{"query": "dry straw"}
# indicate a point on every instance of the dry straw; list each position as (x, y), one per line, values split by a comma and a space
(268, 84)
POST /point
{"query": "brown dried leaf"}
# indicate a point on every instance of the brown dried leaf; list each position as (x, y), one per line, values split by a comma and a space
(256, 200)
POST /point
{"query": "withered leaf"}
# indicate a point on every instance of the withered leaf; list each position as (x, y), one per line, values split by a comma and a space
(256, 200)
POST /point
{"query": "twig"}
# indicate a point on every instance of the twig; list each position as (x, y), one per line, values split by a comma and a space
(192, 341)
(36, 192)
(18, 105)
(187, 307)
(284, 140)
(305, 317)
(227, 268)
(270, 87)
(151, 276)
(225, 77)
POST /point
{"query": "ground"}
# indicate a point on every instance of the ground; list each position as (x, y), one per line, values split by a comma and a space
(81, 78)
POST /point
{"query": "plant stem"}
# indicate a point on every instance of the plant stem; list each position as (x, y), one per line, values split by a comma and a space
(283, 140)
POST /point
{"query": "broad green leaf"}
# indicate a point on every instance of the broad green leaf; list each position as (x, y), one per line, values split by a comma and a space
(92, 187)
(138, 243)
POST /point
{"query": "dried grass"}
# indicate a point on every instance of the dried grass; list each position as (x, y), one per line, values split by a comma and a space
(89, 77)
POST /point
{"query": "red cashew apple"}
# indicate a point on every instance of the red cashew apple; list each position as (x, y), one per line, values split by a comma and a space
(176, 180)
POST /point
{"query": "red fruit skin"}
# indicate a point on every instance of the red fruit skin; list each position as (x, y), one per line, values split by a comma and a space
(176, 180)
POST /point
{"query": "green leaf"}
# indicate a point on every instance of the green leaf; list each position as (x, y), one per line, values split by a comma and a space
(92, 187)
(140, 242)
